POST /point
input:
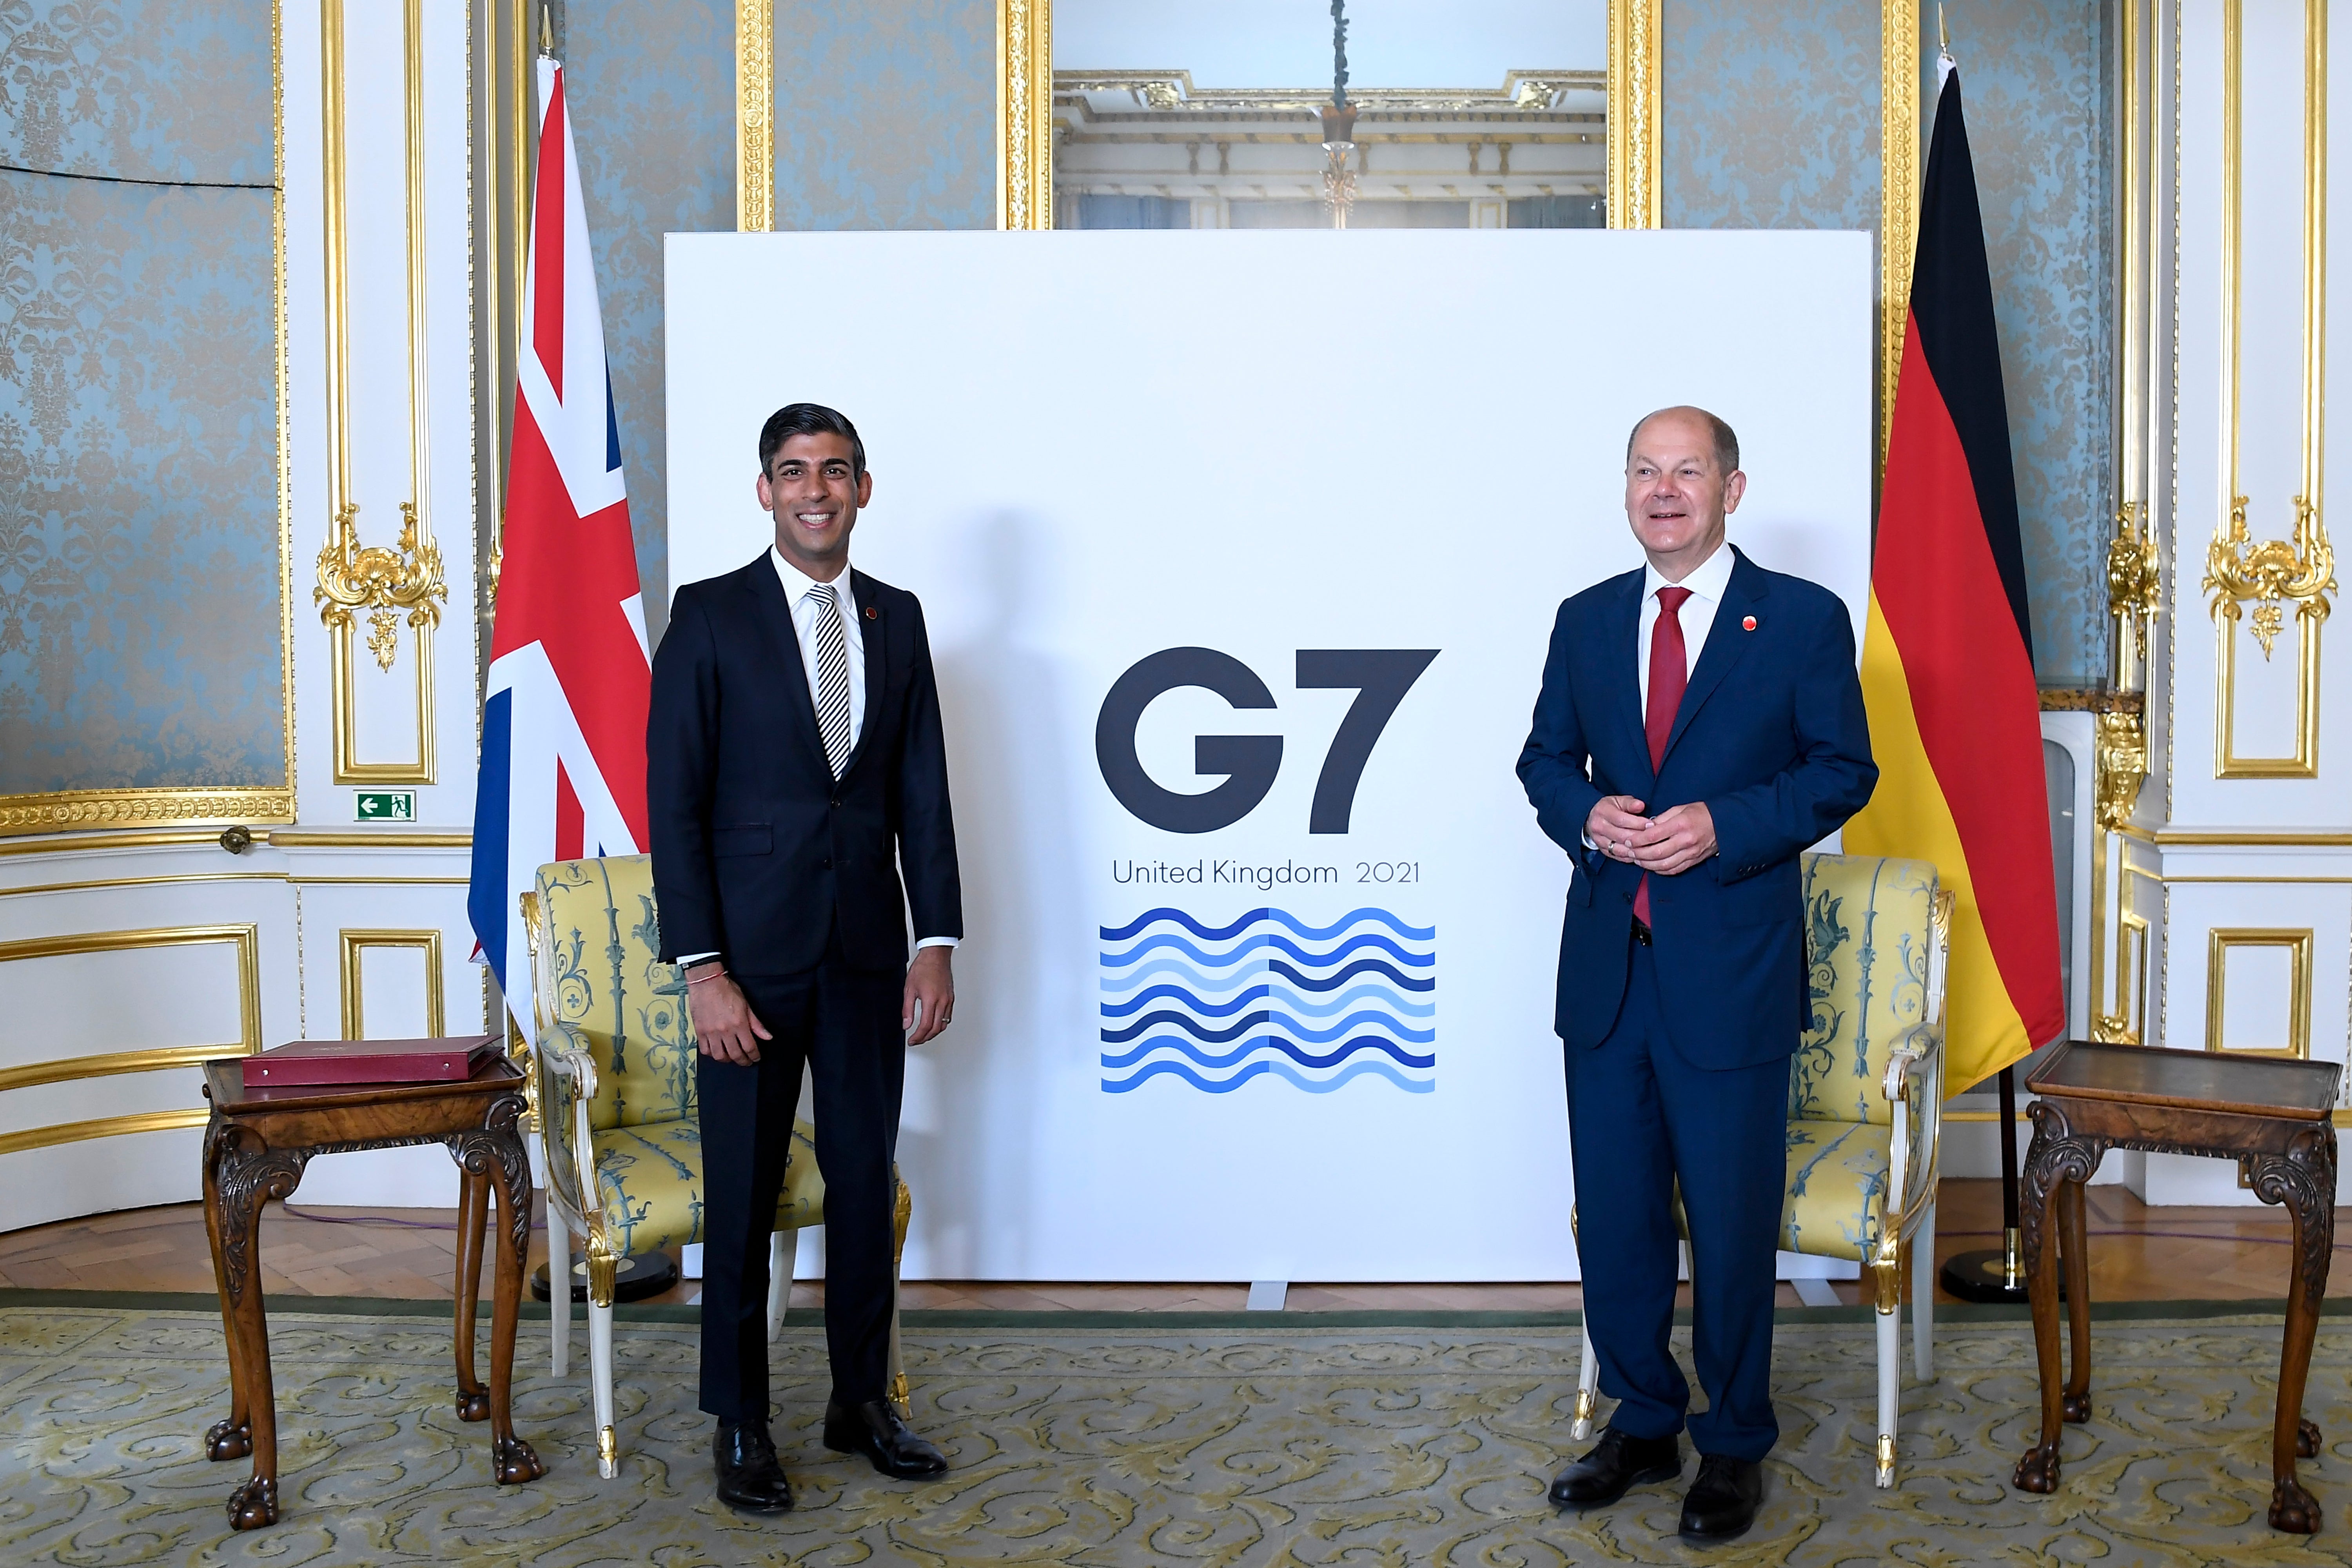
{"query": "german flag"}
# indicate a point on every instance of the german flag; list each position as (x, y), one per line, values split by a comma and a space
(1948, 662)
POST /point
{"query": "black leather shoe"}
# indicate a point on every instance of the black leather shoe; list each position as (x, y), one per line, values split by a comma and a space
(1617, 1463)
(1722, 1503)
(750, 1478)
(875, 1430)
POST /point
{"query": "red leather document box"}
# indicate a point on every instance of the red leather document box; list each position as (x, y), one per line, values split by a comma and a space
(370, 1061)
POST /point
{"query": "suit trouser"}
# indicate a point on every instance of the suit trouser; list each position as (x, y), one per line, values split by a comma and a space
(1640, 1117)
(843, 1023)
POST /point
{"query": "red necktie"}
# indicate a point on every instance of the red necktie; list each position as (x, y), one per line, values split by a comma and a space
(1669, 674)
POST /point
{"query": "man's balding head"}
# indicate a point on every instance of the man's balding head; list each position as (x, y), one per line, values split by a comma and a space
(1724, 442)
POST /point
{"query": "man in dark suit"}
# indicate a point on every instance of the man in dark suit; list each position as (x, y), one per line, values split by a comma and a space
(1700, 725)
(796, 769)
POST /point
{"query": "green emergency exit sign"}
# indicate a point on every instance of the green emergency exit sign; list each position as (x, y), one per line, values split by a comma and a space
(385, 805)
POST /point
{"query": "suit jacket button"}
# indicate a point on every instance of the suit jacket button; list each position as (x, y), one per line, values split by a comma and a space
(825, 865)
(1627, 897)
(834, 804)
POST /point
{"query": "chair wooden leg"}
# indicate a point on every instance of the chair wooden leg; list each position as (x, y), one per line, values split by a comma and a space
(1888, 1278)
(783, 1248)
(1923, 1297)
(601, 1271)
(1588, 1390)
(559, 1293)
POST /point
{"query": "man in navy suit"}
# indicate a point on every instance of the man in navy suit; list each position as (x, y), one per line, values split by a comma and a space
(798, 779)
(1700, 724)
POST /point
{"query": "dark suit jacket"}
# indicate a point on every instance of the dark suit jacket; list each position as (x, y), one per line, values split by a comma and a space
(756, 850)
(1770, 735)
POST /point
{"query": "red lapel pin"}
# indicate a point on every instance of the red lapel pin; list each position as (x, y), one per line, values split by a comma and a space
(874, 614)
(1747, 623)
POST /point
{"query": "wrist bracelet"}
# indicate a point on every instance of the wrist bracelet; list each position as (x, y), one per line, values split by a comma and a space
(721, 975)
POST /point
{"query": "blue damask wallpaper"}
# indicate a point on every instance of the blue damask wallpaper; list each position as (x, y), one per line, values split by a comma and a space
(1771, 115)
(652, 89)
(1770, 119)
(140, 613)
(2032, 78)
(886, 114)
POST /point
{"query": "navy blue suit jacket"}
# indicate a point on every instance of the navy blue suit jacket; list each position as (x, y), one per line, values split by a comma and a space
(1770, 735)
(759, 852)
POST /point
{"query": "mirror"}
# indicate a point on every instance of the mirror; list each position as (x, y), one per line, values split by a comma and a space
(1251, 113)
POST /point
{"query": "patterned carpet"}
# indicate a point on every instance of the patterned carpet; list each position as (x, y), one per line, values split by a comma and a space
(1085, 1441)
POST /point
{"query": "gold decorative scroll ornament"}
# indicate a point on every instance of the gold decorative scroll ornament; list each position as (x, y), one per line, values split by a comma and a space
(2135, 586)
(2238, 570)
(382, 582)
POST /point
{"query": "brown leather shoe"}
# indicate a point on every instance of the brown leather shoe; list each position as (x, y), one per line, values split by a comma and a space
(875, 1430)
(750, 1478)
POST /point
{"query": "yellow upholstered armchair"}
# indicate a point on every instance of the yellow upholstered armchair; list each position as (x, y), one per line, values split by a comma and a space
(1865, 1101)
(614, 1070)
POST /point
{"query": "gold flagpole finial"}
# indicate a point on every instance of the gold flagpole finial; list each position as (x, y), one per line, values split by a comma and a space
(1943, 34)
(547, 32)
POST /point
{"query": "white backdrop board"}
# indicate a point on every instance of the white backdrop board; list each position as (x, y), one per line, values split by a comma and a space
(1206, 495)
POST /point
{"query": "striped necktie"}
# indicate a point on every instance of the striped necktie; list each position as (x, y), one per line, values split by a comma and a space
(832, 679)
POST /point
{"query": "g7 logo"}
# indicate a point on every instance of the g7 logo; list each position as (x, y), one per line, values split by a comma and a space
(1381, 677)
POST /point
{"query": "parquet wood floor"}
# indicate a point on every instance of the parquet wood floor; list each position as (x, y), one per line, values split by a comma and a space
(2137, 1254)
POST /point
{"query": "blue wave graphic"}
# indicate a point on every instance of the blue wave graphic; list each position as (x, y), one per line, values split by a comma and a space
(1352, 1072)
(1361, 966)
(1280, 917)
(1356, 1047)
(1269, 939)
(1264, 1019)
(1322, 1008)
(1172, 1002)
(1177, 966)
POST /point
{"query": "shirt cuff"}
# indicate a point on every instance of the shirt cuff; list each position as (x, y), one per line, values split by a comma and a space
(689, 960)
(937, 942)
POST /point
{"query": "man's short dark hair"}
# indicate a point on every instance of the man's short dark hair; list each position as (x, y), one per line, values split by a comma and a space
(1726, 444)
(809, 419)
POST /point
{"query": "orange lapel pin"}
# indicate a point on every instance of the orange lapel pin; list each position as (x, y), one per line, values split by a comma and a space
(1747, 623)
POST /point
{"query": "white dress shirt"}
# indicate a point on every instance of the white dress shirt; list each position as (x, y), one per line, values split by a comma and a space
(799, 593)
(1706, 582)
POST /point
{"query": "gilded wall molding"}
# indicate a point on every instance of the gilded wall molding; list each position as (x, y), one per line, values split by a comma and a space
(1024, 113)
(1635, 182)
(2219, 942)
(755, 116)
(53, 811)
(352, 944)
(245, 940)
(382, 584)
(2271, 574)
(1899, 91)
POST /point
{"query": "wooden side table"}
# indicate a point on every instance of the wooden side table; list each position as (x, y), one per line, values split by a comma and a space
(255, 1146)
(2273, 1113)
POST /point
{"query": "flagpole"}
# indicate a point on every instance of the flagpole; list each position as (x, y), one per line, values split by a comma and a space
(1995, 1274)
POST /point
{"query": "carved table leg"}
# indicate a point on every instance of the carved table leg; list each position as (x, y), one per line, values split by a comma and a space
(2303, 1181)
(231, 1438)
(496, 1153)
(473, 1217)
(2075, 1402)
(2056, 1157)
(240, 1180)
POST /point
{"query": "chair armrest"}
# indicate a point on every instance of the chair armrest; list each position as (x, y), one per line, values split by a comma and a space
(1915, 1090)
(567, 1085)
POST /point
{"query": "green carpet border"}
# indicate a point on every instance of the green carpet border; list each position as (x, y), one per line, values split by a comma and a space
(946, 1319)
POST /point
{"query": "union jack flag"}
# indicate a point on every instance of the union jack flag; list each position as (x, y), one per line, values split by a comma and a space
(563, 719)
